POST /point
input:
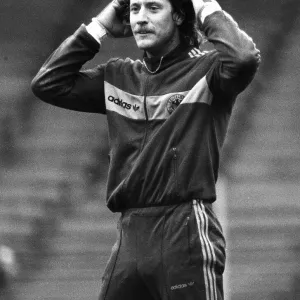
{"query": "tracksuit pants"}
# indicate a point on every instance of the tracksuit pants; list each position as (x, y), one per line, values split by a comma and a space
(166, 253)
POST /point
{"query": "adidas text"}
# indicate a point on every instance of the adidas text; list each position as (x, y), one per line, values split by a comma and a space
(182, 286)
(119, 102)
(178, 286)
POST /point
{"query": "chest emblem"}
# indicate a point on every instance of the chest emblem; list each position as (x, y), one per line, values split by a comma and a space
(173, 102)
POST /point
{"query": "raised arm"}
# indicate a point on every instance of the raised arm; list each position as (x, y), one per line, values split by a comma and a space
(61, 80)
(237, 56)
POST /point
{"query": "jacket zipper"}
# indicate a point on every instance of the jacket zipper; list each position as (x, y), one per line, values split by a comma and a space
(146, 115)
(146, 118)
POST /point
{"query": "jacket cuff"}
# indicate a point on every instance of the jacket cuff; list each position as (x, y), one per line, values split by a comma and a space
(96, 30)
(208, 9)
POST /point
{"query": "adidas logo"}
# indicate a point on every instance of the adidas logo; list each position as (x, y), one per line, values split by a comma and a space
(122, 103)
(135, 107)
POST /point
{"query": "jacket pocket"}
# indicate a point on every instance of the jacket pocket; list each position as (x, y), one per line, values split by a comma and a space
(188, 233)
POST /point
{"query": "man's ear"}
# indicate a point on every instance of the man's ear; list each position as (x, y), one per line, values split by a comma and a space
(178, 18)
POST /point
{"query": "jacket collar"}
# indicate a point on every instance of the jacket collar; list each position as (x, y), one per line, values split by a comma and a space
(156, 64)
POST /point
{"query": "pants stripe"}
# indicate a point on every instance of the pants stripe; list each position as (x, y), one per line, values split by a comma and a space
(208, 253)
(213, 262)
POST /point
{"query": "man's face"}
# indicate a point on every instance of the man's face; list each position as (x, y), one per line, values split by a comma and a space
(153, 26)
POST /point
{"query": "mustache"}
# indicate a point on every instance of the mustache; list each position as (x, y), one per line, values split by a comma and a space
(143, 30)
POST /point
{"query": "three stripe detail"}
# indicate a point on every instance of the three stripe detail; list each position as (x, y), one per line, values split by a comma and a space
(209, 257)
(195, 52)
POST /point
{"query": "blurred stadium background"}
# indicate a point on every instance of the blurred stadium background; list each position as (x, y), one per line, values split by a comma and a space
(55, 230)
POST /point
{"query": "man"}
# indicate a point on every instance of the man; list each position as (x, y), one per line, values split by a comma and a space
(167, 119)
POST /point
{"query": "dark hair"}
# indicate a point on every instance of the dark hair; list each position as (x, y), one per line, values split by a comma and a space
(188, 29)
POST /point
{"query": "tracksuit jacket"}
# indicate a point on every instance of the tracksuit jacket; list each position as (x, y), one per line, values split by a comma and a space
(167, 117)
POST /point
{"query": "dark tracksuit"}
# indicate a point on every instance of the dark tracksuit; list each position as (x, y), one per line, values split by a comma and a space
(166, 130)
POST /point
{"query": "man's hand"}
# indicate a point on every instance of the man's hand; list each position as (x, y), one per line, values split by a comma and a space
(112, 18)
